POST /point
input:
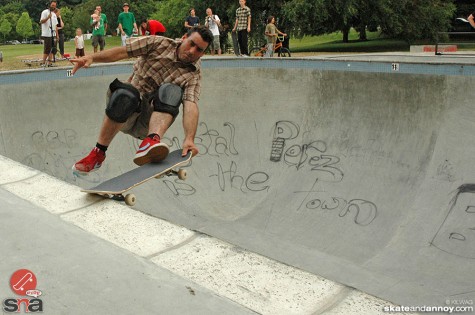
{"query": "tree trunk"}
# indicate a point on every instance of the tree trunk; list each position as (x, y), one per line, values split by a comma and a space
(362, 32)
(346, 34)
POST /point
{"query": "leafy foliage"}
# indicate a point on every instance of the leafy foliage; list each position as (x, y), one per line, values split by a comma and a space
(5, 28)
(404, 19)
(24, 27)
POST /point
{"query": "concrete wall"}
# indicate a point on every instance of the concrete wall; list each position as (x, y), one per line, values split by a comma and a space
(361, 177)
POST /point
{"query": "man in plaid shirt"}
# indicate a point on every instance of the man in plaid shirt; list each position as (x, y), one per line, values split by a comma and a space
(243, 26)
(166, 73)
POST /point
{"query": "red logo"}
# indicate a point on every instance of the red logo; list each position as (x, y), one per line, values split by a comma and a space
(22, 281)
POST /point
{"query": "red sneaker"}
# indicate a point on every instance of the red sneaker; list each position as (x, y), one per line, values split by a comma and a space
(151, 150)
(91, 162)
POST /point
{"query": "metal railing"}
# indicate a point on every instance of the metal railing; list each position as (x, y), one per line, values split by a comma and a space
(437, 42)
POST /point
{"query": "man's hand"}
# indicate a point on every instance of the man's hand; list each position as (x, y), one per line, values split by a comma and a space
(189, 145)
(83, 62)
(109, 55)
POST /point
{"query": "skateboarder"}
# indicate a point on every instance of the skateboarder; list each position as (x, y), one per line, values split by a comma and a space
(167, 73)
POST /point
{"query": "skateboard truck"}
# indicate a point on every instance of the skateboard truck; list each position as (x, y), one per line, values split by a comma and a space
(129, 199)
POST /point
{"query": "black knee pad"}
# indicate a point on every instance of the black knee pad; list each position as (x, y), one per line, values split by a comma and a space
(168, 99)
(124, 100)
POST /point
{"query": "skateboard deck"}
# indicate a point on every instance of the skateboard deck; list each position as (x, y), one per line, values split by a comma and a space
(236, 49)
(115, 188)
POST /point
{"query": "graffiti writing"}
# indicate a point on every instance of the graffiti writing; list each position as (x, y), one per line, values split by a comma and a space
(51, 152)
(212, 142)
(362, 212)
(456, 234)
(230, 178)
(312, 154)
(179, 188)
(53, 139)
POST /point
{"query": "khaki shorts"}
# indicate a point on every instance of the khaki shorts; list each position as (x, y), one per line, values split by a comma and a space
(98, 40)
(215, 43)
(137, 124)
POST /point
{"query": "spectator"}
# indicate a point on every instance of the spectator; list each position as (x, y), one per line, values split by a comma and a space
(192, 20)
(213, 23)
(271, 36)
(224, 36)
(152, 27)
(49, 24)
(243, 26)
(99, 22)
(127, 24)
(79, 43)
(60, 35)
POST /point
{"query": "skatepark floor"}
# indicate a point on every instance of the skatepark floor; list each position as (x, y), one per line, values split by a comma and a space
(104, 257)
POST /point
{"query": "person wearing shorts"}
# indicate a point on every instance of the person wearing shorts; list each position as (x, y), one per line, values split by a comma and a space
(99, 30)
(213, 22)
(167, 73)
(49, 25)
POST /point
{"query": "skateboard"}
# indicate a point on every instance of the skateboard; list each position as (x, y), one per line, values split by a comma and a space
(31, 62)
(236, 49)
(115, 188)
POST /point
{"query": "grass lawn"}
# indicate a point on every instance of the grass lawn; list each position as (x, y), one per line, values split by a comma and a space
(14, 54)
(333, 43)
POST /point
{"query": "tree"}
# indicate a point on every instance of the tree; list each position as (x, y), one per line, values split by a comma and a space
(410, 20)
(24, 27)
(5, 28)
(405, 19)
(172, 14)
(69, 28)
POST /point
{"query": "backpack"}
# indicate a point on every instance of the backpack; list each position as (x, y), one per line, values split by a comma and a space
(220, 27)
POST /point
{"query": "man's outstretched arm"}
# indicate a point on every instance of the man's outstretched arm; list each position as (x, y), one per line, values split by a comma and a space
(109, 55)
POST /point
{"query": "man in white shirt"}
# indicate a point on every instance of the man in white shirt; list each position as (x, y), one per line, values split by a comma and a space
(213, 23)
(49, 24)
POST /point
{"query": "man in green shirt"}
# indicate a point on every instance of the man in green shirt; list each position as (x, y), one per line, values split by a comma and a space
(99, 30)
(127, 24)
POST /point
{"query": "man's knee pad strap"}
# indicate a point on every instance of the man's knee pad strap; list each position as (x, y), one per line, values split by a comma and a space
(122, 104)
(123, 101)
(168, 99)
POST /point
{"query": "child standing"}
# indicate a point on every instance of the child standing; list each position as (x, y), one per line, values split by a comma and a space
(271, 36)
(79, 42)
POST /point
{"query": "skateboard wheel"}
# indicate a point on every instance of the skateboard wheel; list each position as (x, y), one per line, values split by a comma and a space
(130, 199)
(182, 174)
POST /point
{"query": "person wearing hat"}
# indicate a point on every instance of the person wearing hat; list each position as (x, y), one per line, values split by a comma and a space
(166, 75)
(127, 23)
